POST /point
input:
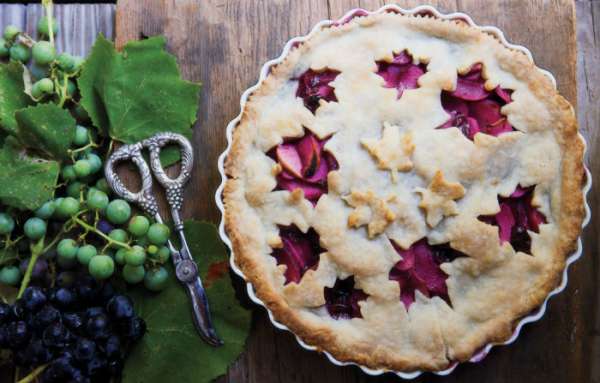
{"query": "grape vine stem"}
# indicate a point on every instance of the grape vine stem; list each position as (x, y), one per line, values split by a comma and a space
(94, 230)
(33, 374)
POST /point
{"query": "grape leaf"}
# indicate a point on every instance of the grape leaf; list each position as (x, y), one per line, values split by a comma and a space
(172, 351)
(12, 95)
(134, 94)
(26, 182)
(47, 128)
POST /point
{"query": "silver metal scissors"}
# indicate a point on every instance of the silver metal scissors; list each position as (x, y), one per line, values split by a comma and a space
(186, 269)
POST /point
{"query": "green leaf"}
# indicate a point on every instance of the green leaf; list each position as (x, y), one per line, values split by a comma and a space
(12, 95)
(172, 351)
(47, 128)
(26, 182)
(137, 93)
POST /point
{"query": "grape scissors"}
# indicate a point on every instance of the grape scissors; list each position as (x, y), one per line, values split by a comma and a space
(186, 269)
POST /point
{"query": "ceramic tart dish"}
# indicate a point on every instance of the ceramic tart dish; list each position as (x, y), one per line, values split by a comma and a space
(403, 189)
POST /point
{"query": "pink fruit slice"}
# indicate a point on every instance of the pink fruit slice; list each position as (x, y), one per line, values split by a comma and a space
(299, 254)
(320, 176)
(342, 299)
(517, 216)
(288, 158)
(401, 73)
(311, 192)
(310, 154)
(469, 90)
(314, 86)
(420, 270)
(504, 94)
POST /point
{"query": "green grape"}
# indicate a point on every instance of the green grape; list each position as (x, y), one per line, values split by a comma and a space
(81, 136)
(118, 235)
(163, 254)
(101, 267)
(20, 52)
(65, 62)
(136, 256)
(138, 225)
(158, 234)
(46, 85)
(85, 253)
(57, 202)
(7, 224)
(142, 241)
(71, 88)
(66, 253)
(102, 185)
(46, 210)
(118, 211)
(10, 275)
(133, 274)
(4, 50)
(43, 52)
(35, 228)
(77, 63)
(42, 26)
(74, 189)
(96, 199)
(95, 162)
(152, 250)
(10, 32)
(68, 173)
(68, 207)
(156, 279)
(38, 71)
(120, 256)
(82, 168)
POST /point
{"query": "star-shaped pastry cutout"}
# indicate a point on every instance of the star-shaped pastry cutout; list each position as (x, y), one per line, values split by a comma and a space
(438, 198)
(370, 210)
(392, 151)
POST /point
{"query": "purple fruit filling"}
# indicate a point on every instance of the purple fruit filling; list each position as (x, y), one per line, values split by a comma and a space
(314, 86)
(516, 216)
(342, 299)
(473, 109)
(300, 252)
(401, 73)
(305, 165)
(420, 270)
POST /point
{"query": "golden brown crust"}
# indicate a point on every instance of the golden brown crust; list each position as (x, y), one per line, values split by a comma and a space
(248, 249)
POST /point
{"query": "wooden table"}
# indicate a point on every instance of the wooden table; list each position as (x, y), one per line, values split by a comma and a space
(224, 43)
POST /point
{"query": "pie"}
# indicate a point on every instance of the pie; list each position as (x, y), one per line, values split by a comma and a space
(403, 189)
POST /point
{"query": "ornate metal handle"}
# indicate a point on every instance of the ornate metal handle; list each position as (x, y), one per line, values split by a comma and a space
(173, 186)
(144, 198)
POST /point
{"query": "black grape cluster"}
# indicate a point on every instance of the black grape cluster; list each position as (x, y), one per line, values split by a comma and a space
(80, 332)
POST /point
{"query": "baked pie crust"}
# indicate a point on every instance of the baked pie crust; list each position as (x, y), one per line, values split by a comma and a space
(403, 189)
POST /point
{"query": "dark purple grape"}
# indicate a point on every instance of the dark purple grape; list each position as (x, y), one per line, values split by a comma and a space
(93, 311)
(45, 317)
(33, 298)
(18, 334)
(120, 307)
(104, 226)
(106, 292)
(4, 312)
(39, 271)
(4, 336)
(74, 321)
(58, 371)
(133, 329)
(77, 376)
(87, 289)
(84, 349)
(18, 310)
(63, 297)
(98, 326)
(56, 335)
(112, 347)
(115, 367)
(97, 366)
(37, 353)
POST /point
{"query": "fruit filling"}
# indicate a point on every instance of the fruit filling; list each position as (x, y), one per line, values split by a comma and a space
(473, 109)
(420, 270)
(516, 217)
(401, 73)
(342, 299)
(305, 165)
(300, 252)
(314, 86)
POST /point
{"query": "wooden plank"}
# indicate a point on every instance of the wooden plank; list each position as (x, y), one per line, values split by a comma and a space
(79, 24)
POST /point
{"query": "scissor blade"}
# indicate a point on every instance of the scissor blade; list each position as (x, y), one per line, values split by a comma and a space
(201, 315)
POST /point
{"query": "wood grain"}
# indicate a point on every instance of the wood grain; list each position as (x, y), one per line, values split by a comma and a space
(224, 43)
